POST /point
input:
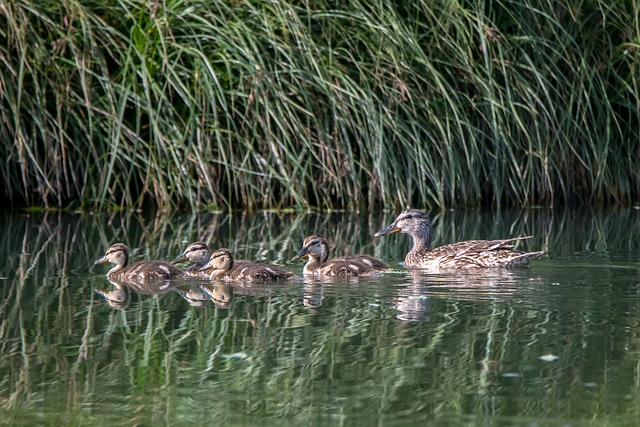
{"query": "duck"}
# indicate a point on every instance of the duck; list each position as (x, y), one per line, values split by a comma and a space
(199, 253)
(465, 254)
(118, 254)
(316, 248)
(223, 268)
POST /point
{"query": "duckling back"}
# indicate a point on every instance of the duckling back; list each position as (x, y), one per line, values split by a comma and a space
(223, 267)
(316, 248)
(118, 254)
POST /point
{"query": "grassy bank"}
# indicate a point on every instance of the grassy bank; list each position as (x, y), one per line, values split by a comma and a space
(241, 104)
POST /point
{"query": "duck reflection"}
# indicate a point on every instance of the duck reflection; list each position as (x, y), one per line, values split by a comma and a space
(194, 295)
(118, 298)
(312, 295)
(413, 303)
(221, 294)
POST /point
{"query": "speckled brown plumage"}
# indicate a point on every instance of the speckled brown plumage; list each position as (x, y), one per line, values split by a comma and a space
(199, 254)
(118, 254)
(316, 248)
(224, 268)
(467, 254)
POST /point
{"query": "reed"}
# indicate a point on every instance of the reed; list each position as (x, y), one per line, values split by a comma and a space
(254, 105)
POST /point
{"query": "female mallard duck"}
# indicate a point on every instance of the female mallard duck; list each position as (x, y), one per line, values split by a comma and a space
(317, 249)
(118, 254)
(467, 254)
(224, 268)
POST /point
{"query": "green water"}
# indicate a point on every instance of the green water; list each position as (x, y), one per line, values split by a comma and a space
(554, 344)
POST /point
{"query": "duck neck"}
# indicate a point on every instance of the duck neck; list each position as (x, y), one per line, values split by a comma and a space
(195, 267)
(324, 255)
(421, 245)
(119, 268)
(116, 271)
(313, 264)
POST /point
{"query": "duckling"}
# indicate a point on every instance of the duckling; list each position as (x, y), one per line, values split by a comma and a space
(118, 254)
(223, 268)
(198, 253)
(317, 249)
(466, 254)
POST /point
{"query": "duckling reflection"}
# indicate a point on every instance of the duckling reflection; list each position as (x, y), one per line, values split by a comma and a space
(316, 248)
(221, 294)
(142, 271)
(194, 295)
(312, 295)
(118, 298)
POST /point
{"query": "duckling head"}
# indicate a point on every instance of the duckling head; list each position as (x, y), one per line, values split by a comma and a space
(413, 222)
(220, 261)
(314, 247)
(197, 252)
(118, 254)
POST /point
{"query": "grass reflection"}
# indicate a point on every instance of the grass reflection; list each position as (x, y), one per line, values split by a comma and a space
(400, 349)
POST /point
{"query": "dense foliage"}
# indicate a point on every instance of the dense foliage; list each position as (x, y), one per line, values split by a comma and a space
(274, 104)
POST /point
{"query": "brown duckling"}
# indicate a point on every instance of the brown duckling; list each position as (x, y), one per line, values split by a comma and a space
(118, 254)
(317, 249)
(199, 254)
(466, 254)
(224, 268)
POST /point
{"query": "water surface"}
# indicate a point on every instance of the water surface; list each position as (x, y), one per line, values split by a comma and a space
(557, 343)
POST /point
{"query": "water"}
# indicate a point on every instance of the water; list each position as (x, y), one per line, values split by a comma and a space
(557, 343)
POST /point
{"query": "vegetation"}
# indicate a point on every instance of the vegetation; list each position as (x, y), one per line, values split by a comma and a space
(242, 104)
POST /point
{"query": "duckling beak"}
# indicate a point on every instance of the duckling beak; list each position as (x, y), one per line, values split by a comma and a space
(388, 230)
(101, 260)
(179, 258)
(304, 252)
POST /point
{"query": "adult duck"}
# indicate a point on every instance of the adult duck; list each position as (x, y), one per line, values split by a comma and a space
(466, 254)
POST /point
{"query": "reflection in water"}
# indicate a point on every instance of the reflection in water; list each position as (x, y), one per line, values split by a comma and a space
(221, 294)
(412, 302)
(312, 295)
(117, 298)
(419, 347)
(194, 295)
(476, 285)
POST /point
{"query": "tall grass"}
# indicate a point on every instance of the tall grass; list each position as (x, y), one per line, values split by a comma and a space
(240, 104)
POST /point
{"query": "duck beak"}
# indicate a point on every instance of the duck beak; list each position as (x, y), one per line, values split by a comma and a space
(304, 252)
(179, 258)
(388, 230)
(101, 260)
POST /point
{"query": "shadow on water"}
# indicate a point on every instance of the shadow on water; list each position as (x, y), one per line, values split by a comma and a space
(557, 343)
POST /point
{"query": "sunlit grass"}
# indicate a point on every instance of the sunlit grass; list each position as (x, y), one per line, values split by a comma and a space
(253, 105)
